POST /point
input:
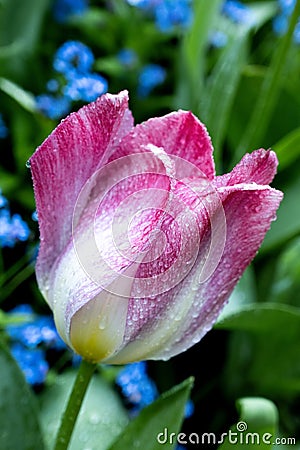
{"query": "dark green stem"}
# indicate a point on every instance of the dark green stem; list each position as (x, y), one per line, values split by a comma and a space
(71, 412)
(270, 89)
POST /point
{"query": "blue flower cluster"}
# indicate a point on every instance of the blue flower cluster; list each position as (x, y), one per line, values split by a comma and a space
(64, 9)
(136, 386)
(73, 60)
(3, 128)
(13, 229)
(168, 13)
(150, 76)
(139, 390)
(281, 21)
(127, 57)
(29, 342)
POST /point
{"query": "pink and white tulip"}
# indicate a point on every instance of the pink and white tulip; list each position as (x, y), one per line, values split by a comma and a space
(141, 244)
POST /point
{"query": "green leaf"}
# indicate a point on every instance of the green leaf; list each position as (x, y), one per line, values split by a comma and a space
(101, 418)
(264, 318)
(14, 319)
(257, 426)
(192, 63)
(262, 12)
(19, 426)
(273, 352)
(154, 424)
(9, 181)
(270, 89)
(20, 24)
(285, 118)
(288, 149)
(23, 137)
(284, 228)
(287, 276)
(217, 99)
(242, 295)
(24, 98)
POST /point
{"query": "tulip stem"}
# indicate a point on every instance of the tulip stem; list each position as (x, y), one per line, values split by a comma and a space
(71, 412)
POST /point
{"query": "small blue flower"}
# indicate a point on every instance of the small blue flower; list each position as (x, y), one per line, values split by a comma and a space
(34, 216)
(151, 76)
(38, 330)
(280, 24)
(189, 409)
(171, 13)
(281, 21)
(12, 229)
(218, 39)
(127, 57)
(76, 360)
(168, 13)
(3, 128)
(287, 6)
(73, 56)
(53, 107)
(297, 33)
(238, 12)
(63, 9)
(136, 386)
(32, 363)
(85, 87)
(53, 85)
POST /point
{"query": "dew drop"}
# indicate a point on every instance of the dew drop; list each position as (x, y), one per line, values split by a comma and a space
(94, 418)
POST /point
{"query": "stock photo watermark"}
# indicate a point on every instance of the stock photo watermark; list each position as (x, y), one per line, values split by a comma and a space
(238, 437)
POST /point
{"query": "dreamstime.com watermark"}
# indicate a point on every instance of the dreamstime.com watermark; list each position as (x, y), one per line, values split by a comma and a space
(238, 437)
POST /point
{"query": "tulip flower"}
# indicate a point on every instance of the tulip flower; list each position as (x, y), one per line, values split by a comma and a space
(141, 243)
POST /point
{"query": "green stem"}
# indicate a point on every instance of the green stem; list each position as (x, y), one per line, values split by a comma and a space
(71, 412)
(270, 89)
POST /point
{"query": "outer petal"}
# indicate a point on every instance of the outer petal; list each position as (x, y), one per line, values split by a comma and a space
(62, 165)
(257, 167)
(249, 210)
(95, 274)
(179, 134)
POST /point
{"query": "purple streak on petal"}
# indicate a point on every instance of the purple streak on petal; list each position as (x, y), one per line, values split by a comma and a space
(64, 162)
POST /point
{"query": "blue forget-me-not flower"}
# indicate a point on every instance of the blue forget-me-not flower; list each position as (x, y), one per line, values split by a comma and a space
(64, 9)
(74, 60)
(13, 229)
(150, 76)
(29, 341)
(281, 21)
(136, 386)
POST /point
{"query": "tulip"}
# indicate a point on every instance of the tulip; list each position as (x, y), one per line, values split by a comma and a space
(141, 243)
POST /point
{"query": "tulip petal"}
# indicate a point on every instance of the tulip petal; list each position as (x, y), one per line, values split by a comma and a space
(179, 134)
(102, 259)
(249, 210)
(258, 167)
(62, 165)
